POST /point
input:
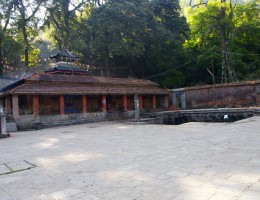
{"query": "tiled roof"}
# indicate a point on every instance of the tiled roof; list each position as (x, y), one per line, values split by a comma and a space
(65, 67)
(56, 84)
(6, 81)
(89, 79)
(86, 89)
(64, 53)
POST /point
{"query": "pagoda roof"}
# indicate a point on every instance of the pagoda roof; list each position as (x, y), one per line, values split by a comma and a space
(65, 53)
(65, 68)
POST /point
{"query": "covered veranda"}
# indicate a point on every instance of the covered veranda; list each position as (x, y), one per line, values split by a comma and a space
(48, 98)
(18, 105)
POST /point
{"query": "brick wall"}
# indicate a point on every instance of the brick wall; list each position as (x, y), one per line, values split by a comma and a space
(223, 95)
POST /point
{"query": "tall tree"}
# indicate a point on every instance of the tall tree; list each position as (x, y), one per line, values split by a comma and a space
(225, 17)
(124, 34)
(7, 8)
(167, 54)
(61, 16)
(118, 30)
(217, 26)
(26, 21)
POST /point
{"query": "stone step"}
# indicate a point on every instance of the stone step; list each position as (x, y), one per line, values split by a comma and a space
(146, 119)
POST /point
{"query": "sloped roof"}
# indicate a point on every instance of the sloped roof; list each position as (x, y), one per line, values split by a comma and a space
(5, 82)
(93, 85)
(66, 67)
(64, 53)
(89, 79)
(86, 89)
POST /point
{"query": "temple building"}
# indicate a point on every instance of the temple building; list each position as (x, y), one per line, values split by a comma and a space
(65, 94)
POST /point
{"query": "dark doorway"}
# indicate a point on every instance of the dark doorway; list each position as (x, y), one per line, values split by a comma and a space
(72, 104)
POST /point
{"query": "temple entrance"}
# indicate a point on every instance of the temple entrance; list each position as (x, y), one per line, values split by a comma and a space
(72, 104)
(114, 103)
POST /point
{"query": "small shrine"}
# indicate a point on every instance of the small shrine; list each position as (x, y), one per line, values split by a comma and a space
(64, 56)
(63, 63)
(65, 94)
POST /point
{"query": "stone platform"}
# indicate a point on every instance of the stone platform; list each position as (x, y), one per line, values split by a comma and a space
(127, 161)
(202, 115)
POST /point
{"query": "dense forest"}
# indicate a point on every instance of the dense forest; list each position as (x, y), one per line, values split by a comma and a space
(173, 43)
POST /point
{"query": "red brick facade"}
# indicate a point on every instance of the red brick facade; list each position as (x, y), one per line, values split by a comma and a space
(239, 94)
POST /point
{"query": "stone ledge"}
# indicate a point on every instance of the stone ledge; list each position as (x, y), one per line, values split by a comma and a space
(11, 127)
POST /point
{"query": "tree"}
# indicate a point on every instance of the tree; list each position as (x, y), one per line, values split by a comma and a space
(245, 40)
(27, 23)
(168, 53)
(61, 16)
(126, 33)
(117, 31)
(7, 8)
(222, 33)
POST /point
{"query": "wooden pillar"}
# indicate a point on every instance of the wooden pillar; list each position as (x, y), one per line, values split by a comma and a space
(15, 106)
(154, 102)
(258, 98)
(140, 102)
(8, 108)
(36, 105)
(104, 103)
(84, 103)
(166, 102)
(61, 104)
(125, 102)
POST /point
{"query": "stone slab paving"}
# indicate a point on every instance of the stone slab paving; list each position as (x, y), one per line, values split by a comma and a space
(4, 169)
(128, 161)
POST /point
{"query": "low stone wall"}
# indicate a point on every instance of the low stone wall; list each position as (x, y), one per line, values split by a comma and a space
(11, 127)
(32, 122)
(203, 115)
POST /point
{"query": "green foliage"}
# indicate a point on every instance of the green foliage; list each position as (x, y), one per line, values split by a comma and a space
(132, 33)
(138, 38)
(33, 56)
(242, 27)
(174, 79)
(118, 28)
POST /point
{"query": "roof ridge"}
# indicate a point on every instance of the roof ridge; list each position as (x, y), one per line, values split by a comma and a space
(88, 79)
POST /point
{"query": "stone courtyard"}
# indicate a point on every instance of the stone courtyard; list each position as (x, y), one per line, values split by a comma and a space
(130, 161)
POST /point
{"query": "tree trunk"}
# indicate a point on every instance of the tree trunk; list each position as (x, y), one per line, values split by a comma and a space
(228, 72)
(26, 49)
(223, 41)
(1, 59)
(107, 63)
(66, 14)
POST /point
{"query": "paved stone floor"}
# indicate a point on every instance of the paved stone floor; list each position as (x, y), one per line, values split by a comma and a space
(127, 161)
